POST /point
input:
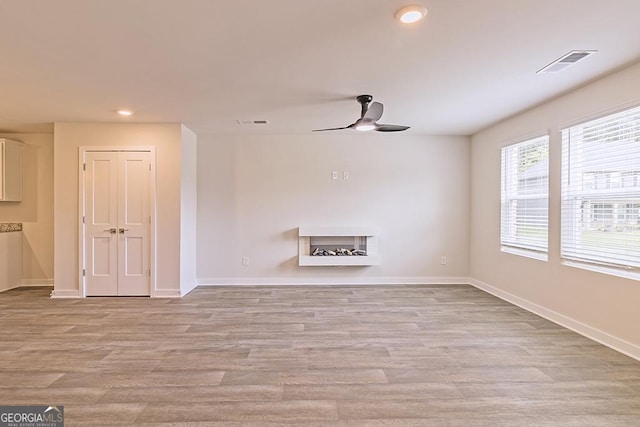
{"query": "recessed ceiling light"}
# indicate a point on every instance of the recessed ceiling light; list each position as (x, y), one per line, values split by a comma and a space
(125, 113)
(411, 14)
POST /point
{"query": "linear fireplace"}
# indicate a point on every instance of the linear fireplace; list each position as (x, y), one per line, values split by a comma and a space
(337, 246)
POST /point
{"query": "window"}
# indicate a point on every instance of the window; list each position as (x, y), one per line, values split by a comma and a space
(601, 192)
(525, 195)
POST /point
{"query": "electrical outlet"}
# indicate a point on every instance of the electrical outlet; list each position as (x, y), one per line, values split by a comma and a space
(334, 175)
(443, 260)
(345, 175)
(245, 261)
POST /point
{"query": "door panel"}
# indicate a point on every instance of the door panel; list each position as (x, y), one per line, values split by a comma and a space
(134, 264)
(133, 221)
(117, 224)
(103, 173)
(101, 257)
(101, 220)
(134, 174)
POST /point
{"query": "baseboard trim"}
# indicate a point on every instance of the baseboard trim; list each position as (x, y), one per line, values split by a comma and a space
(615, 343)
(65, 293)
(10, 287)
(338, 281)
(186, 290)
(166, 293)
(30, 283)
(36, 282)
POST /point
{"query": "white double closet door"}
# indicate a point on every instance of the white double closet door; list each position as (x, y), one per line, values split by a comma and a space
(117, 223)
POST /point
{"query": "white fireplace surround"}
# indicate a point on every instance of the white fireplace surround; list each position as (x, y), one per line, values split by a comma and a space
(338, 237)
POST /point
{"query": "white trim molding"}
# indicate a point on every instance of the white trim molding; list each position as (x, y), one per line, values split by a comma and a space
(615, 343)
(166, 293)
(348, 281)
(65, 293)
(31, 283)
(10, 288)
(36, 282)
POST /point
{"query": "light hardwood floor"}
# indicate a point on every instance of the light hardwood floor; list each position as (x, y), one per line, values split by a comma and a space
(347, 356)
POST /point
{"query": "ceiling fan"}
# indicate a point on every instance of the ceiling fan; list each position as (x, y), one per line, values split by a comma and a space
(371, 113)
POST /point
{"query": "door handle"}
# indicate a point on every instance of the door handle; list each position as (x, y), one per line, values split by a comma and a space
(122, 230)
(111, 230)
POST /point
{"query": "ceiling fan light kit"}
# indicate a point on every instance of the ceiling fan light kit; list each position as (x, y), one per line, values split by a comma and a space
(363, 126)
(370, 113)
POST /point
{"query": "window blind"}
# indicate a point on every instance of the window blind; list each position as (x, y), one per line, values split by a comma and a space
(525, 195)
(601, 191)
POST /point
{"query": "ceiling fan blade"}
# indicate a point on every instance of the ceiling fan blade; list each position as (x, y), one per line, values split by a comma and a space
(374, 112)
(391, 128)
(323, 130)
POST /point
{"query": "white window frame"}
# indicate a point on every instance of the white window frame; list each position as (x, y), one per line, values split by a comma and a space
(600, 191)
(512, 191)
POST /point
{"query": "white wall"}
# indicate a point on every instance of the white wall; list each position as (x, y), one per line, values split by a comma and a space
(255, 191)
(35, 211)
(188, 211)
(68, 137)
(602, 306)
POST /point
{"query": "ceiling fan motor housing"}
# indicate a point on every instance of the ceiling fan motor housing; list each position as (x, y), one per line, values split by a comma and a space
(364, 99)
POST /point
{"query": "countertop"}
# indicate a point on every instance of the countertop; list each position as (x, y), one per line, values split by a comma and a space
(7, 227)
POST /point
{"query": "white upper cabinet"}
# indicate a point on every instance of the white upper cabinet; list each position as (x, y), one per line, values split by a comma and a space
(10, 170)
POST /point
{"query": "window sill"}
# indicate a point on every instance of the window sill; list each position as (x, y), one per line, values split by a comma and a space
(540, 256)
(619, 272)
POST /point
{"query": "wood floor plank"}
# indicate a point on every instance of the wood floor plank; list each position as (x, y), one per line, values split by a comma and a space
(139, 379)
(192, 395)
(290, 411)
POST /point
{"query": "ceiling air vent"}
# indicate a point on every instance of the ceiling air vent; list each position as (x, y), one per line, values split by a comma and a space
(252, 122)
(566, 61)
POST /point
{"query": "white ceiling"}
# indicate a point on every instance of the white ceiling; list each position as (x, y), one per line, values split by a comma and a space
(299, 63)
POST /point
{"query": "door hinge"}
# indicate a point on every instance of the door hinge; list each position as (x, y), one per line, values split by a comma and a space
(84, 166)
(84, 272)
(83, 219)
(149, 272)
(149, 167)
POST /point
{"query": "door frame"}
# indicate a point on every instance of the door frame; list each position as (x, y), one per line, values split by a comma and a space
(82, 150)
